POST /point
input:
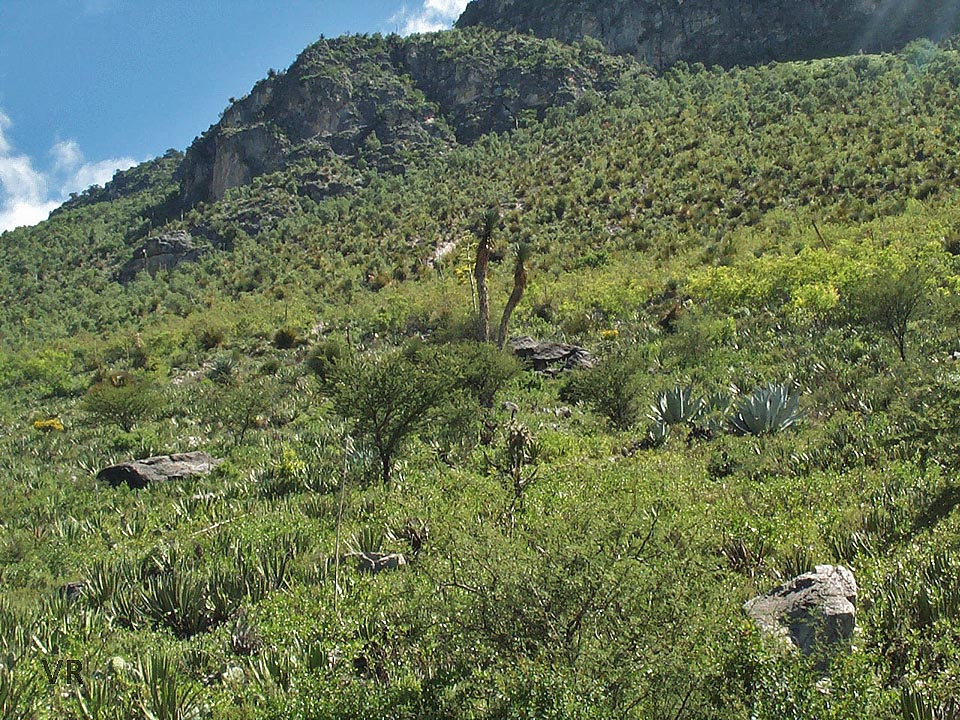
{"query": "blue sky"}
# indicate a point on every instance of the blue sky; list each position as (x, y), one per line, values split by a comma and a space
(91, 86)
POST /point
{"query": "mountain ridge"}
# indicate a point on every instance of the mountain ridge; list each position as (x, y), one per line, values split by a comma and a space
(384, 100)
(725, 33)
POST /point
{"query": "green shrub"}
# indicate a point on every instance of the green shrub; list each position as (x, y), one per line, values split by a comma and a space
(389, 397)
(122, 399)
(611, 389)
(19, 691)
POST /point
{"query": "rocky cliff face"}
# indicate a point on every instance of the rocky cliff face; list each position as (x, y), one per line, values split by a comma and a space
(724, 32)
(382, 100)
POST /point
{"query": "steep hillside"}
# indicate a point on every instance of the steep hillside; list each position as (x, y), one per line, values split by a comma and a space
(681, 160)
(760, 268)
(729, 32)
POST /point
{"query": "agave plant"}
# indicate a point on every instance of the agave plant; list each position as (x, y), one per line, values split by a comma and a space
(166, 694)
(767, 410)
(676, 406)
(657, 435)
(177, 599)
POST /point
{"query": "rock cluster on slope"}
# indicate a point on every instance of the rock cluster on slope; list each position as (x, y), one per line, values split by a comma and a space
(140, 473)
(163, 252)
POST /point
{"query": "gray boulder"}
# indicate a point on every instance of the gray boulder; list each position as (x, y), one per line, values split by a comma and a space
(814, 611)
(163, 252)
(551, 357)
(140, 473)
(375, 562)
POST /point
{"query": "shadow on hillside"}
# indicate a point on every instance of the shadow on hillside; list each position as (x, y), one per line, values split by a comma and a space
(941, 506)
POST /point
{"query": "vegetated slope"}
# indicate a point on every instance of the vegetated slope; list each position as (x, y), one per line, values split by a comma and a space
(667, 161)
(726, 33)
(791, 227)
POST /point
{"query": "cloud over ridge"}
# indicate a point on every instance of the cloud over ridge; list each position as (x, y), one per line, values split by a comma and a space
(429, 16)
(28, 194)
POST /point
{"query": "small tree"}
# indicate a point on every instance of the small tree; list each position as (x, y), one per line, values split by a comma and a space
(480, 369)
(122, 399)
(238, 405)
(388, 398)
(890, 300)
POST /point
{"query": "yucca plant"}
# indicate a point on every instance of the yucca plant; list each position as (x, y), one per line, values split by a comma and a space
(14, 635)
(272, 672)
(273, 565)
(914, 706)
(165, 695)
(97, 699)
(245, 639)
(676, 406)
(103, 579)
(177, 599)
(366, 541)
(767, 410)
(18, 693)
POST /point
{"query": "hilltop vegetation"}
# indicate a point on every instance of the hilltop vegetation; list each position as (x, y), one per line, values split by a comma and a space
(725, 241)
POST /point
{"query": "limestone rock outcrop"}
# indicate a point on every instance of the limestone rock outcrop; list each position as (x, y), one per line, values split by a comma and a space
(815, 611)
(381, 99)
(140, 473)
(724, 32)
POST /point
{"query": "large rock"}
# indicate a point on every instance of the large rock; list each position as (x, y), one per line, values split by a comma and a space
(163, 252)
(814, 611)
(140, 473)
(551, 357)
(724, 32)
(376, 562)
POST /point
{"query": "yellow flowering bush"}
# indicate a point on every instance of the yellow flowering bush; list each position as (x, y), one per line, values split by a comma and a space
(49, 425)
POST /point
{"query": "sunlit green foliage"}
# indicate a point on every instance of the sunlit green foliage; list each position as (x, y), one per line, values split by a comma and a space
(703, 233)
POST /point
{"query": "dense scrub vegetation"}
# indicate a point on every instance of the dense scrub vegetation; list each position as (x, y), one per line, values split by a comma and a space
(764, 259)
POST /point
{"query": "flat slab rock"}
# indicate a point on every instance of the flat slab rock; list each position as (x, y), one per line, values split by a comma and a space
(551, 357)
(140, 473)
(813, 611)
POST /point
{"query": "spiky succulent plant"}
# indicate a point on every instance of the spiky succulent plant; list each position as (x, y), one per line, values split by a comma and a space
(676, 406)
(766, 410)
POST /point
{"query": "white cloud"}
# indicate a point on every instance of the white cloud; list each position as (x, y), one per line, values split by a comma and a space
(67, 156)
(5, 124)
(429, 16)
(97, 7)
(28, 194)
